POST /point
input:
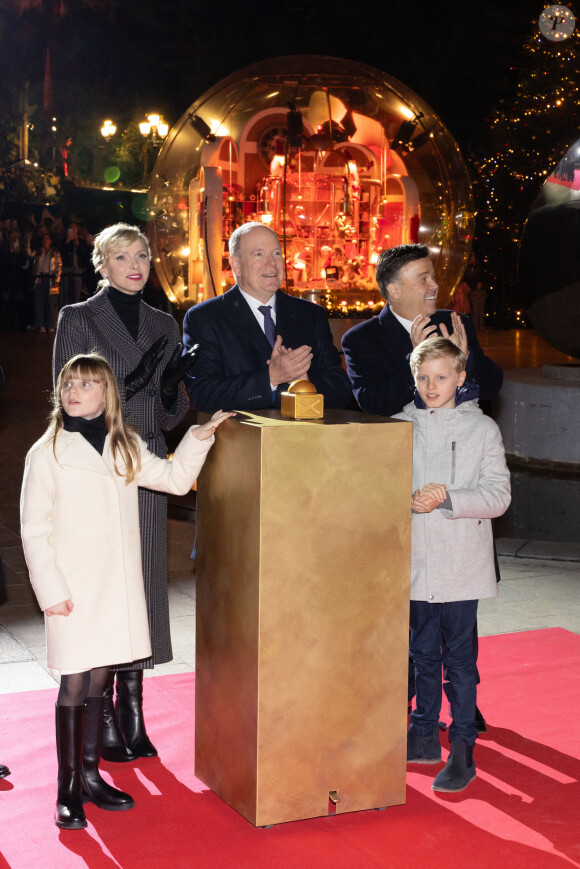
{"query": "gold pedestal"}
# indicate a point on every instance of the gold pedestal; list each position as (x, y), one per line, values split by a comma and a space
(302, 615)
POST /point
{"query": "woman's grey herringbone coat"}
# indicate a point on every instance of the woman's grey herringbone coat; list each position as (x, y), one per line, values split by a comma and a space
(93, 326)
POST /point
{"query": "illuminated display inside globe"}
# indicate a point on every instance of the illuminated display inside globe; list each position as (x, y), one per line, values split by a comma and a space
(338, 158)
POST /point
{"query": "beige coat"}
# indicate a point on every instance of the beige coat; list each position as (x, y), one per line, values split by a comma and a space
(80, 532)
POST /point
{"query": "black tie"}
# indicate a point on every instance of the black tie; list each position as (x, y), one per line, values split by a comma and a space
(269, 325)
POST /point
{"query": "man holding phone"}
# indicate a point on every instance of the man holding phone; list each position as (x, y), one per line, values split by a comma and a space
(377, 350)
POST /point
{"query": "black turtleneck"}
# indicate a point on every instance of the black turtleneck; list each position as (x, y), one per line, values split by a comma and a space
(126, 306)
(93, 430)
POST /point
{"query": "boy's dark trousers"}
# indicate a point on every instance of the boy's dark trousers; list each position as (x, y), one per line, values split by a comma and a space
(442, 633)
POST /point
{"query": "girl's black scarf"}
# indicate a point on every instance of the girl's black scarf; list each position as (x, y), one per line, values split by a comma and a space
(93, 430)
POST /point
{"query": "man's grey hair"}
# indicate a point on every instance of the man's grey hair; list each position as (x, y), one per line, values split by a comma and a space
(237, 235)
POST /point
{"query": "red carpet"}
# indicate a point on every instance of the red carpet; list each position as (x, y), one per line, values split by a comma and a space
(521, 811)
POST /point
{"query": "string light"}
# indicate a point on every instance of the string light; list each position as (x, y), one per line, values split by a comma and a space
(529, 137)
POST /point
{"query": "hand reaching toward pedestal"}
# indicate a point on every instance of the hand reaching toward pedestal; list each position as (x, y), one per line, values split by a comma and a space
(205, 431)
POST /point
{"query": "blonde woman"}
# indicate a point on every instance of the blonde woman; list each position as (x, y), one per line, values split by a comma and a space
(142, 346)
(80, 532)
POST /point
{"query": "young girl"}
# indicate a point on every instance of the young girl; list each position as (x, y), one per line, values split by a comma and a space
(80, 531)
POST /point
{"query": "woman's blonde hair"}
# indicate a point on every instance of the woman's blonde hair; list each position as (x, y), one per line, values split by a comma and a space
(437, 348)
(115, 237)
(124, 438)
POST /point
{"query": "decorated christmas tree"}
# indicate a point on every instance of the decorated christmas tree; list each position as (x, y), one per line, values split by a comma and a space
(528, 135)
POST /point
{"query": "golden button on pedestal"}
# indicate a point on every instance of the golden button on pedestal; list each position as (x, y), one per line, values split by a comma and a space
(302, 401)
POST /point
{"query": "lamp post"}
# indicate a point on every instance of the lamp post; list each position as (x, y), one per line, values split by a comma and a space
(108, 130)
(154, 131)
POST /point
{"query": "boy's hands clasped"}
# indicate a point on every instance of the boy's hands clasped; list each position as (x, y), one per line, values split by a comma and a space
(428, 498)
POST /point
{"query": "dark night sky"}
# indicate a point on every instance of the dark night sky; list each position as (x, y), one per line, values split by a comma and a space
(163, 54)
(456, 56)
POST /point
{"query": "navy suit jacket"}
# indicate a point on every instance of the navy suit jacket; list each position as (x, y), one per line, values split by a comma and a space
(231, 372)
(376, 353)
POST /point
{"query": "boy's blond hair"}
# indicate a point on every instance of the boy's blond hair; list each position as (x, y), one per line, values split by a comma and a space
(437, 348)
(124, 438)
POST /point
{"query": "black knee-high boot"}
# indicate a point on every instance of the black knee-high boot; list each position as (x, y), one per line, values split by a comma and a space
(94, 788)
(69, 813)
(113, 747)
(130, 713)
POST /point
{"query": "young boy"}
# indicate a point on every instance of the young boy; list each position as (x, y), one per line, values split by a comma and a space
(460, 483)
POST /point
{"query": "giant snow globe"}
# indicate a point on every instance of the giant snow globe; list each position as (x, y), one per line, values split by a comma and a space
(339, 159)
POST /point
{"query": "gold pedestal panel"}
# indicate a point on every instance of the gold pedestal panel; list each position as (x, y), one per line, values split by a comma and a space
(303, 567)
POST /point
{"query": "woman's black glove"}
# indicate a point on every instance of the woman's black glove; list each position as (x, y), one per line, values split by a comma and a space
(175, 370)
(140, 376)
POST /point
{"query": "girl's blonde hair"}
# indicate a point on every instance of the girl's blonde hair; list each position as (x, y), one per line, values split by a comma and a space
(115, 237)
(437, 348)
(124, 438)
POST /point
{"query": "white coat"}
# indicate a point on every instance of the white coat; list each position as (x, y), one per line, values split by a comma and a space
(80, 533)
(452, 549)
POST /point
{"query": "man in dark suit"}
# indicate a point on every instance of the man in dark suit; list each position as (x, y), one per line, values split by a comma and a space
(255, 339)
(377, 350)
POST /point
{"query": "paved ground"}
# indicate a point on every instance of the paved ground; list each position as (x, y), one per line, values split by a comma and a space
(535, 592)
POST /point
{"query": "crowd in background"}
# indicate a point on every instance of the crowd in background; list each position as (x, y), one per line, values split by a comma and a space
(44, 265)
(470, 295)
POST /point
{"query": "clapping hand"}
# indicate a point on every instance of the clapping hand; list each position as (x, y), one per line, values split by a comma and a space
(178, 366)
(458, 336)
(140, 376)
(287, 364)
(422, 328)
